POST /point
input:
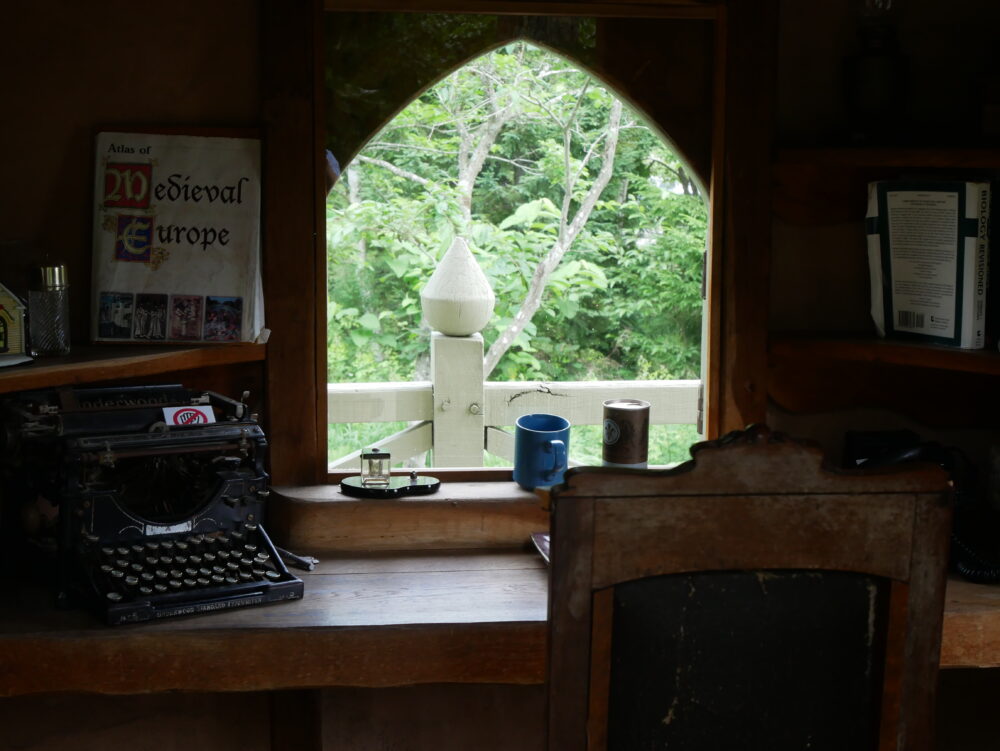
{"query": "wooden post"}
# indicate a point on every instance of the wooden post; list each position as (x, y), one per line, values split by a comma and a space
(457, 374)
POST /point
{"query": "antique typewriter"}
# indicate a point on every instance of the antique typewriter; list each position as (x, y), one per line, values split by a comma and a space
(145, 502)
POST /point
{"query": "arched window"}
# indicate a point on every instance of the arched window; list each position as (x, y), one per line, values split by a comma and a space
(614, 303)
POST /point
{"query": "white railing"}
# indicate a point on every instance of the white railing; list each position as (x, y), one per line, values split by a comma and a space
(458, 415)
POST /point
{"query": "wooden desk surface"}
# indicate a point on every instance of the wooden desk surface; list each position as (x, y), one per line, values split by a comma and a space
(379, 620)
(365, 621)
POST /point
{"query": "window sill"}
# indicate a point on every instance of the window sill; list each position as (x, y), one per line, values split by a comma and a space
(462, 514)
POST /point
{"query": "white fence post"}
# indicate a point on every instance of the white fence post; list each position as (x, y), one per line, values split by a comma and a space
(457, 374)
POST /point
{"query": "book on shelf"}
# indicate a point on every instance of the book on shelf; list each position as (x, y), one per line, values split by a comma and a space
(928, 258)
(176, 246)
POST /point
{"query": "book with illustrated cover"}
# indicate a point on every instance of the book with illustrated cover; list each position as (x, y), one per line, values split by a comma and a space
(928, 256)
(176, 247)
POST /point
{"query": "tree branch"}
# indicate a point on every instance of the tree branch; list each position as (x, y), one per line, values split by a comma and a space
(353, 175)
(485, 137)
(547, 265)
(525, 164)
(406, 174)
(690, 189)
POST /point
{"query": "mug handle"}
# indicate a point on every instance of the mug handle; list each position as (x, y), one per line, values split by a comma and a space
(558, 449)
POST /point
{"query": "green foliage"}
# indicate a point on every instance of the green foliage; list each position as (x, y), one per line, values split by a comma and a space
(625, 301)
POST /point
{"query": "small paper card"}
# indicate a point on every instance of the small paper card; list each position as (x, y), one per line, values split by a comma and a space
(188, 415)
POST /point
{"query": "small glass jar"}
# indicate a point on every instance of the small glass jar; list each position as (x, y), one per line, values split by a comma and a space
(48, 312)
(375, 468)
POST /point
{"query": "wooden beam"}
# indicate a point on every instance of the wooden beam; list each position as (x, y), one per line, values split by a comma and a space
(413, 440)
(316, 465)
(370, 402)
(581, 402)
(500, 443)
(695, 9)
(293, 238)
(713, 289)
(457, 371)
(749, 58)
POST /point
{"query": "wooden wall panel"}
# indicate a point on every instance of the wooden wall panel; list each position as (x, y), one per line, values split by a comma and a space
(68, 68)
(152, 722)
(484, 717)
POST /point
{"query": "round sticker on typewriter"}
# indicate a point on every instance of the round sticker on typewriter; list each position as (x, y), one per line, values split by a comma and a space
(190, 416)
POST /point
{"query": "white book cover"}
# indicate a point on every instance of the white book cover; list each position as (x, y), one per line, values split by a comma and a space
(928, 254)
(176, 247)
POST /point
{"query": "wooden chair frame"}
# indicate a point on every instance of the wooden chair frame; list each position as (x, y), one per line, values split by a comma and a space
(750, 501)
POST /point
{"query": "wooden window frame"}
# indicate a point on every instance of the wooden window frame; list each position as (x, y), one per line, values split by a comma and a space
(294, 210)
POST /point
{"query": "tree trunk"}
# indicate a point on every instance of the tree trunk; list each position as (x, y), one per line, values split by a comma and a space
(567, 234)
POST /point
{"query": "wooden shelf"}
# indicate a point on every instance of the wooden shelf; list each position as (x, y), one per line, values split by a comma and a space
(930, 158)
(825, 186)
(94, 363)
(808, 347)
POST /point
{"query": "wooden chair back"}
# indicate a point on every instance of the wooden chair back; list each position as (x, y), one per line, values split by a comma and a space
(749, 598)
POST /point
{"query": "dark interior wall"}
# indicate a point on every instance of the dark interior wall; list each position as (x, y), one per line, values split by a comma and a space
(447, 717)
(950, 54)
(69, 67)
(819, 273)
(159, 722)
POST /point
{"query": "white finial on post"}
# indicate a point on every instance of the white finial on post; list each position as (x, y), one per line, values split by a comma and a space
(458, 299)
(457, 303)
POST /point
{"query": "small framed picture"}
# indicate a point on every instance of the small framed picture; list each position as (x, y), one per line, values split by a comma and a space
(186, 317)
(115, 315)
(150, 317)
(223, 319)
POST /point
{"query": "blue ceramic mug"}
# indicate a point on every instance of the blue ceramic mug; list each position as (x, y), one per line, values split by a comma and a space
(541, 448)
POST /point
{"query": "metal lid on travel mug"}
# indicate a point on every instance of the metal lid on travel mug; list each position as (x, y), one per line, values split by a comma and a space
(626, 433)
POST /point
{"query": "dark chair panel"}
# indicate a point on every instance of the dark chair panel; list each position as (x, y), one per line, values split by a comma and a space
(740, 660)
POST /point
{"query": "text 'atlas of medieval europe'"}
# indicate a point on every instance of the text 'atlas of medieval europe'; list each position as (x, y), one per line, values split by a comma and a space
(177, 238)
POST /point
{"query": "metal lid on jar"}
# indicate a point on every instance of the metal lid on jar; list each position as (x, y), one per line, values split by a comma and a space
(53, 277)
(626, 404)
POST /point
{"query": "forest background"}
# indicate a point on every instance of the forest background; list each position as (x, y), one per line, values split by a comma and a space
(587, 224)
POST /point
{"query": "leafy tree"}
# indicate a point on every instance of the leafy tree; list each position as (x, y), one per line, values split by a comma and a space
(589, 228)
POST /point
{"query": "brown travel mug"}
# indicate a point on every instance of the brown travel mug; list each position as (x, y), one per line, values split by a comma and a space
(626, 433)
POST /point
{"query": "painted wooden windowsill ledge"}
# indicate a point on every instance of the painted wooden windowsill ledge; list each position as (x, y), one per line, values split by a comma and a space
(461, 515)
